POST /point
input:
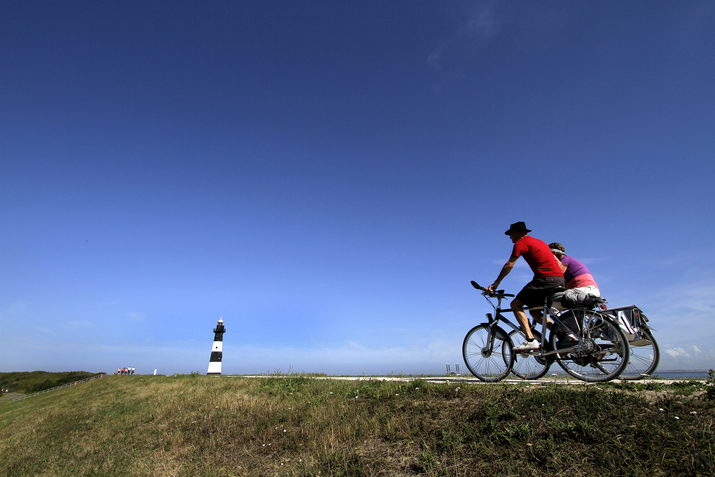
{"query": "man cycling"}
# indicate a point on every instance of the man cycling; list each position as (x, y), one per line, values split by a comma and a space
(547, 278)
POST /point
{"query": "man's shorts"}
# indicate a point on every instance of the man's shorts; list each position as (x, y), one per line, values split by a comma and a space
(534, 293)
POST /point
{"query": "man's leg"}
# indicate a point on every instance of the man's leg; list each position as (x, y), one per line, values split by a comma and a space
(537, 315)
(516, 307)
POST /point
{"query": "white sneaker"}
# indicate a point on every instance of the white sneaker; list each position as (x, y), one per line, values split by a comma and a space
(527, 346)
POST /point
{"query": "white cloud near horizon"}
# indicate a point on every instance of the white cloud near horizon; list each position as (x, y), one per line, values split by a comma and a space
(677, 353)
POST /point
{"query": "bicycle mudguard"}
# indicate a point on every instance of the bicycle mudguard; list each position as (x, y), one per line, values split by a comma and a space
(499, 332)
(496, 331)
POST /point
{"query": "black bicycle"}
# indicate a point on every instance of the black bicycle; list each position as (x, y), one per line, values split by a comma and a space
(584, 341)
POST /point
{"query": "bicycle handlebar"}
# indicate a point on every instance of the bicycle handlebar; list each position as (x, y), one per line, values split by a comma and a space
(496, 294)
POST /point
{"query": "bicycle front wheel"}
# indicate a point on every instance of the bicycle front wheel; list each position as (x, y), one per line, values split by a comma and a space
(529, 366)
(487, 352)
(603, 356)
(645, 356)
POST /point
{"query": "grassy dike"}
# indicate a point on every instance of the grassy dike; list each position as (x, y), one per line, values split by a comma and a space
(35, 381)
(297, 426)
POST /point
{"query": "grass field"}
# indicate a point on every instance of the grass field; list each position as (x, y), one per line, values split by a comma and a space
(293, 425)
(34, 381)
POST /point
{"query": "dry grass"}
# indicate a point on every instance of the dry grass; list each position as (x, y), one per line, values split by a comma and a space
(296, 426)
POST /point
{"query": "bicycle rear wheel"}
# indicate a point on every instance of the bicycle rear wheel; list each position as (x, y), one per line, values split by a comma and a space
(487, 352)
(604, 355)
(645, 356)
(529, 366)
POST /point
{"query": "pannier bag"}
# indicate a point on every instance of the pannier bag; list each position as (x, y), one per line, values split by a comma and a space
(631, 320)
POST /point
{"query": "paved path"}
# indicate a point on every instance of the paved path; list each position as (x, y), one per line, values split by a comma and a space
(471, 379)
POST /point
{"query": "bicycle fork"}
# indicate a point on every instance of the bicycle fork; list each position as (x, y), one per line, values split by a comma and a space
(489, 347)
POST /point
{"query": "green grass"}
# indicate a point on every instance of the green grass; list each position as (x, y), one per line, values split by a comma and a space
(293, 425)
(34, 381)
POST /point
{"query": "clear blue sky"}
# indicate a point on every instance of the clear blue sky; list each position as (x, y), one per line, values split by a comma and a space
(328, 176)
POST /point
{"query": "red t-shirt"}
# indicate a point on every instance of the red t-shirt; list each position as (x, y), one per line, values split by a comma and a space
(539, 257)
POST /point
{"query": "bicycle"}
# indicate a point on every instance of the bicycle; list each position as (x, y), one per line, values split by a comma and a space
(598, 351)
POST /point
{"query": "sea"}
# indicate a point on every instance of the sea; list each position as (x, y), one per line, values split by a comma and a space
(681, 374)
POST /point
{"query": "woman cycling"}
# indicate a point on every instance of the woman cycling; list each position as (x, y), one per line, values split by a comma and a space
(578, 277)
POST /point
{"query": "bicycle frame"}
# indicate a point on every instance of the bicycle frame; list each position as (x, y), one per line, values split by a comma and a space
(547, 313)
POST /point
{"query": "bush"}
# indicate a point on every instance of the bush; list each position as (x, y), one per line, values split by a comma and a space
(710, 393)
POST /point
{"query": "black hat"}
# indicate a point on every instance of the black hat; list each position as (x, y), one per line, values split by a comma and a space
(517, 227)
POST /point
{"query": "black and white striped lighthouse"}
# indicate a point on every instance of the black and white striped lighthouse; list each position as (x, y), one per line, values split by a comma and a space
(217, 350)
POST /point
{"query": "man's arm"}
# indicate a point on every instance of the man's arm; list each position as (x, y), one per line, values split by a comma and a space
(504, 272)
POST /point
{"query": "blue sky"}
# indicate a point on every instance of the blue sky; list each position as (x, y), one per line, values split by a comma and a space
(328, 176)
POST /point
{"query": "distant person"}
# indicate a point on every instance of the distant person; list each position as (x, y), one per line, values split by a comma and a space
(132, 370)
(547, 278)
(578, 277)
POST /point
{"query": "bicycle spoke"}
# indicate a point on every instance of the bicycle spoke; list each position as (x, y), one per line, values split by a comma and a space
(528, 366)
(604, 353)
(487, 353)
(645, 357)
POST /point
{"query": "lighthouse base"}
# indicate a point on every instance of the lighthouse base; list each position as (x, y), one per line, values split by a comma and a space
(214, 368)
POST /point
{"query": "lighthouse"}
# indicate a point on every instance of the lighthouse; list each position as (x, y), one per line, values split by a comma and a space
(217, 349)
